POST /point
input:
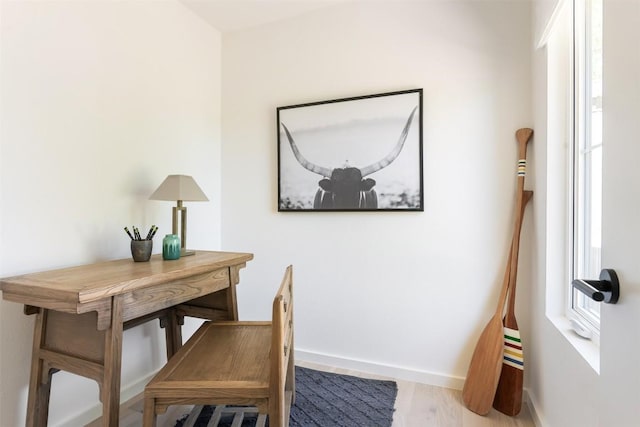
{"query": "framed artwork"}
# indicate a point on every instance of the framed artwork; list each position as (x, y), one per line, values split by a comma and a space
(353, 154)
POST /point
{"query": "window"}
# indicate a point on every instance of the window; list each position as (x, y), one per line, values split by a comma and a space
(586, 158)
(573, 44)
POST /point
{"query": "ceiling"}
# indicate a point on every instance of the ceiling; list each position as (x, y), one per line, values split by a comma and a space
(231, 15)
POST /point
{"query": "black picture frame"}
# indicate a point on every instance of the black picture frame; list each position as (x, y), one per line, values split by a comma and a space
(361, 153)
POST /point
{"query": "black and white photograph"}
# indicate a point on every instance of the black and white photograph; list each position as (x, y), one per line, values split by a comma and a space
(352, 154)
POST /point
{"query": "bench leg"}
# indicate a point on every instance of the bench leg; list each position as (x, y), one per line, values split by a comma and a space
(149, 416)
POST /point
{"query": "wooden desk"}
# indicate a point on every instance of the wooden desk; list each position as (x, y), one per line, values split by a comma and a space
(81, 313)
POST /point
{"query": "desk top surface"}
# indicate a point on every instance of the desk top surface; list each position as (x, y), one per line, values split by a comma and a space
(92, 282)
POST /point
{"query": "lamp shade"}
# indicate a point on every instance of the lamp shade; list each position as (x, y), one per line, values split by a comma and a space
(179, 187)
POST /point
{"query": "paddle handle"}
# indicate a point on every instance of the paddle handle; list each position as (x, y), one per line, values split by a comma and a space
(523, 136)
(507, 288)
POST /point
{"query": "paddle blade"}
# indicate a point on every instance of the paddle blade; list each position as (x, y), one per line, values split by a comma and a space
(508, 398)
(484, 370)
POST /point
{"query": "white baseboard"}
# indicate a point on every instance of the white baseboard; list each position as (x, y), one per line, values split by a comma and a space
(391, 371)
(537, 417)
(401, 373)
(95, 411)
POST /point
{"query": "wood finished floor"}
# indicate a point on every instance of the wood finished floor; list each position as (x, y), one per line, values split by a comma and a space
(417, 405)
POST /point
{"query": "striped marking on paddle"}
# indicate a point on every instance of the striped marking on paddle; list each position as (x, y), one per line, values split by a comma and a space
(512, 354)
(522, 167)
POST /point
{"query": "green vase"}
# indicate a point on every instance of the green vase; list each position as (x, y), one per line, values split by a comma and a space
(171, 247)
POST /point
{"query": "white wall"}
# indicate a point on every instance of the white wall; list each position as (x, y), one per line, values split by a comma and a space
(620, 376)
(541, 14)
(557, 375)
(100, 101)
(405, 293)
(565, 389)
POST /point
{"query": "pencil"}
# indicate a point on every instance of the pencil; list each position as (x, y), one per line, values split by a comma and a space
(129, 233)
(150, 233)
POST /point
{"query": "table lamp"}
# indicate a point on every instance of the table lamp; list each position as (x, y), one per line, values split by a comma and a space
(181, 188)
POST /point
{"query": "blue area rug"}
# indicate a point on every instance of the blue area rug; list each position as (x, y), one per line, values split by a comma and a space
(324, 399)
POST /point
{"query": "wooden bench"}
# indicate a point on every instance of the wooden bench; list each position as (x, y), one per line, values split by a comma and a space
(233, 363)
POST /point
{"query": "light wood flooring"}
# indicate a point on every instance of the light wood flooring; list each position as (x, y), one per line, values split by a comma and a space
(417, 405)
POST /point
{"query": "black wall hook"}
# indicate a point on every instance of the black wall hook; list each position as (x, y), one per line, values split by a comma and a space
(607, 289)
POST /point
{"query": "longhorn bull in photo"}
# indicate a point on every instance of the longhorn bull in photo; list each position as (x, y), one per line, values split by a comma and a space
(347, 187)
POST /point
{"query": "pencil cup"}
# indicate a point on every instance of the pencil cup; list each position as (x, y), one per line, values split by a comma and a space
(141, 250)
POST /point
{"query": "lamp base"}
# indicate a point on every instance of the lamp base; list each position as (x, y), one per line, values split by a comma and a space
(185, 252)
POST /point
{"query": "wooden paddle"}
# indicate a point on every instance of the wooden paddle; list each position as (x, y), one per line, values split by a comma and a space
(478, 390)
(508, 397)
(485, 367)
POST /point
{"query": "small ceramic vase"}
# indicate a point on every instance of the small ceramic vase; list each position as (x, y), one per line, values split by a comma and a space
(171, 247)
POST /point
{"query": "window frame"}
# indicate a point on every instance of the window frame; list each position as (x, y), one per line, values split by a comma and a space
(583, 263)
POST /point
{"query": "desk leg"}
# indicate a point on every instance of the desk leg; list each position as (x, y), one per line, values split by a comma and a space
(110, 387)
(172, 325)
(40, 381)
(232, 300)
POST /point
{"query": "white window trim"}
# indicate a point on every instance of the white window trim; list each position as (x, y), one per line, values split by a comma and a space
(558, 209)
